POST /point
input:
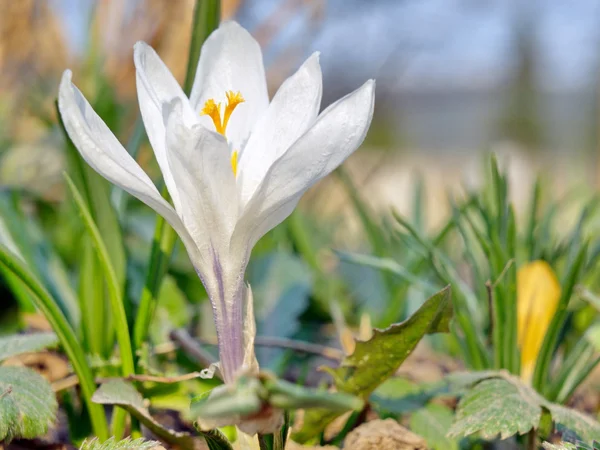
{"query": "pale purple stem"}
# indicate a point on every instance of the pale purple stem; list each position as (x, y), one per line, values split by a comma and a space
(229, 323)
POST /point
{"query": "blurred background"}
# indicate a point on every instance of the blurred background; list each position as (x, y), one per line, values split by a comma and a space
(454, 78)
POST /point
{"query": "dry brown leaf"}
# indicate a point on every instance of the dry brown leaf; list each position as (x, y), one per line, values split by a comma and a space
(383, 435)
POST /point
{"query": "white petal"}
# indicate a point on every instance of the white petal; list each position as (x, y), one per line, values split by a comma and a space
(199, 160)
(231, 59)
(250, 365)
(105, 154)
(156, 88)
(292, 111)
(338, 131)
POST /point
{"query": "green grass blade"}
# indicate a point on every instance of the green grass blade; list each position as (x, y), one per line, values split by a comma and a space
(91, 302)
(207, 14)
(160, 254)
(576, 366)
(206, 20)
(370, 223)
(542, 367)
(118, 196)
(533, 218)
(115, 296)
(66, 335)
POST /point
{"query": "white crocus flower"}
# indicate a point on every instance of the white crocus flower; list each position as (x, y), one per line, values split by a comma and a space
(234, 163)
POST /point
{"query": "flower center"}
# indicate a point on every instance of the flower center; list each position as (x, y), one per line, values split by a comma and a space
(213, 110)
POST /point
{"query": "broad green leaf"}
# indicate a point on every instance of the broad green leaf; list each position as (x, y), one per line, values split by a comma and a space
(585, 426)
(559, 446)
(123, 394)
(497, 407)
(281, 284)
(501, 404)
(376, 360)
(25, 343)
(433, 423)
(27, 404)
(125, 444)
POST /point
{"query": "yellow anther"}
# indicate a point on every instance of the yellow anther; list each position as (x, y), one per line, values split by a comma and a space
(234, 162)
(213, 110)
(233, 99)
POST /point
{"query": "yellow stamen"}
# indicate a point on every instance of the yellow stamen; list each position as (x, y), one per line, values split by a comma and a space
(233, 99)
(234, 162)
(213, 110)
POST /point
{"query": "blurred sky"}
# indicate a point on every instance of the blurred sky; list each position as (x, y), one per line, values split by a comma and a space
(424, 44)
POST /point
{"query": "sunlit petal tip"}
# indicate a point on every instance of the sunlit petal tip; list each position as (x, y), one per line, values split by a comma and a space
(141, 50)
(313, 65)
(366, 98)
(66, 77)
(231, 30)
(139, 46)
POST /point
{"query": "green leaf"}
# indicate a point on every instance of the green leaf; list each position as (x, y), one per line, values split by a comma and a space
(559, 446)
(207, 15)
(398, 396)
(123, 394)
(115, 296)
(281, 284)
(433, 423)
(173, 311)
(23, 236)
(592, 335)
(125, 444)
(500, 403)
(496, 406)
(25, 343)
(27, 404)
(97, 330)
(215, 440)
(48, 306)
(585, 426)
(314, 422)
(376, 360)
(285, 395)
(229, 401)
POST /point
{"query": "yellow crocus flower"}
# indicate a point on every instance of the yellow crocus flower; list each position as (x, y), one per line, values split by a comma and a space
(538, 293)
